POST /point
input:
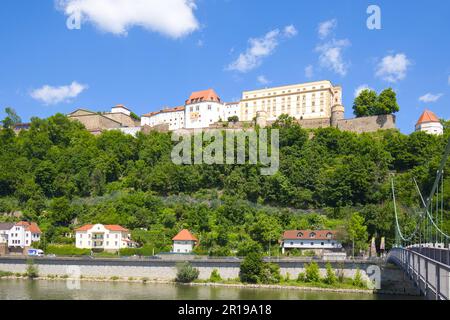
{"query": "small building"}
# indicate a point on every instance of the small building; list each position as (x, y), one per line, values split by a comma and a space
(4, 232)
(103, 237)
(324, 240)
(184, 242)
(23, 234)
(430, 123)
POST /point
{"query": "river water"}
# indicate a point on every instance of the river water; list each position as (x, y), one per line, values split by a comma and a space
(59, 290)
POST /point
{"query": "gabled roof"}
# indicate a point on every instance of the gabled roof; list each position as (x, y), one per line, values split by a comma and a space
(6, 226)
(184, 235)
(167, 110)
(201, 96)
(29, 226)
(427, 117)
(309, 235)
(120, 106)
(112, 227)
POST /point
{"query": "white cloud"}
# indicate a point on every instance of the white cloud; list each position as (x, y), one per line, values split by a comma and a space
(326, 27)
(429, 97)
(263, 80)
(53, 95)
(331, 56)
(259, 48)
(361, 88)
(290, 31)
(309, 71)
(174, 18)
(393, 68)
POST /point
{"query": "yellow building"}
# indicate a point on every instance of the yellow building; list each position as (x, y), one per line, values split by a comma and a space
(313, 100)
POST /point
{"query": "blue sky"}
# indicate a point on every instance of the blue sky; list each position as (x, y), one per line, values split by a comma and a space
(154, 55)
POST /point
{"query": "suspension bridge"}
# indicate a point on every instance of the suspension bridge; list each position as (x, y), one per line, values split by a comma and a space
(423, 252)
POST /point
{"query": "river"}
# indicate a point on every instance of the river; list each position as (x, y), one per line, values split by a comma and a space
(58, 290)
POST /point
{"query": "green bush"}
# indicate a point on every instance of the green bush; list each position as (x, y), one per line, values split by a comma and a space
(187, 273)
(215, 276)
(301, 277)
(270, 274)
(67, 250)
(312, 272)
(32, 270)
(331, 275)
(358, 281)
(251, 268)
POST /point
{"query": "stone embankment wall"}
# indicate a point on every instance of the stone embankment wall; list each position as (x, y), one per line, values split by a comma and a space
(162, 269)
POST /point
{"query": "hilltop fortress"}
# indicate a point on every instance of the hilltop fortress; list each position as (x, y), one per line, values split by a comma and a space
(313, 105)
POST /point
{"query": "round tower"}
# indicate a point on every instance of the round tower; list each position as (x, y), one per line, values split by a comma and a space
(261, 119)
(337, 114)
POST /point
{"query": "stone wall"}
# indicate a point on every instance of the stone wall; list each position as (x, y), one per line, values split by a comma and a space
(163, 269)
(368, 124)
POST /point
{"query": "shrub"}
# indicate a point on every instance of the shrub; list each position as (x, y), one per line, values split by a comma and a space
(67, 250)
(358, 281)
(32, 270)
(114, 278)
(270, 274)
(331, 275)
(215, 276)
(288, 277)
(251, 268)
(312, 272)
(301, 277)
(187, 273)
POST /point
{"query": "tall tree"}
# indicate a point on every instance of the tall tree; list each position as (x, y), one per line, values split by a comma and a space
(11, 118)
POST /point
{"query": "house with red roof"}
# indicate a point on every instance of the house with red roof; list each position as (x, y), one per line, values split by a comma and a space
(184, 242)
(23, 234)
(103, 237)
(316, 240)
(430, 123)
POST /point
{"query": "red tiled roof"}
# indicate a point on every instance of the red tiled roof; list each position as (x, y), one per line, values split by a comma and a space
(427, 116)
(85, 227)
(184, 235)
(205, 95)
(113, 227)
(32, 227)
(308, 234)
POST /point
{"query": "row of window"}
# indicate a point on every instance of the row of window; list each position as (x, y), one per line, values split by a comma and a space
(312, 243)
(284, 92)
(97, 237)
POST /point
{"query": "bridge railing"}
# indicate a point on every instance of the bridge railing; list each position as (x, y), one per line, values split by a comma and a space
(431, 276)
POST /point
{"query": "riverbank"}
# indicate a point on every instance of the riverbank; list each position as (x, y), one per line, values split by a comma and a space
(193, 284)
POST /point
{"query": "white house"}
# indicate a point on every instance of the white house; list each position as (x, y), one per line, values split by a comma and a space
(184, 242)
(103, 237)
(310, 240)
(23, 234)
(202, 109)
(173, 117)
(429, 123)
(4, 232)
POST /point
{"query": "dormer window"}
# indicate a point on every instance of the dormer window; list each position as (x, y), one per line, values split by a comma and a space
(312, 235)
(329, 235)
(299, 235)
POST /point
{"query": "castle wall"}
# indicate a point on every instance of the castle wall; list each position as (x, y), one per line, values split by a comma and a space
(368, 124)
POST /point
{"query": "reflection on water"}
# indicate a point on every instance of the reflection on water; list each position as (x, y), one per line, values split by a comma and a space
(57, 290)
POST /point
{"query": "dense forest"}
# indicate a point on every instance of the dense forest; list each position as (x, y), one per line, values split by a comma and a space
(61, 176)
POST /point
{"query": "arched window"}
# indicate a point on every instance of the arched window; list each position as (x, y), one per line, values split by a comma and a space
(329, 235)
(299, 235)
(312, 235)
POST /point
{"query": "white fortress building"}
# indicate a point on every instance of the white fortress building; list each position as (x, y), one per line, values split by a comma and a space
(429, 123)
(314, 100)
(320, 101)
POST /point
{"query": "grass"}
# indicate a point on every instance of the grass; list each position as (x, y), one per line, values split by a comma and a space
(4, 274)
